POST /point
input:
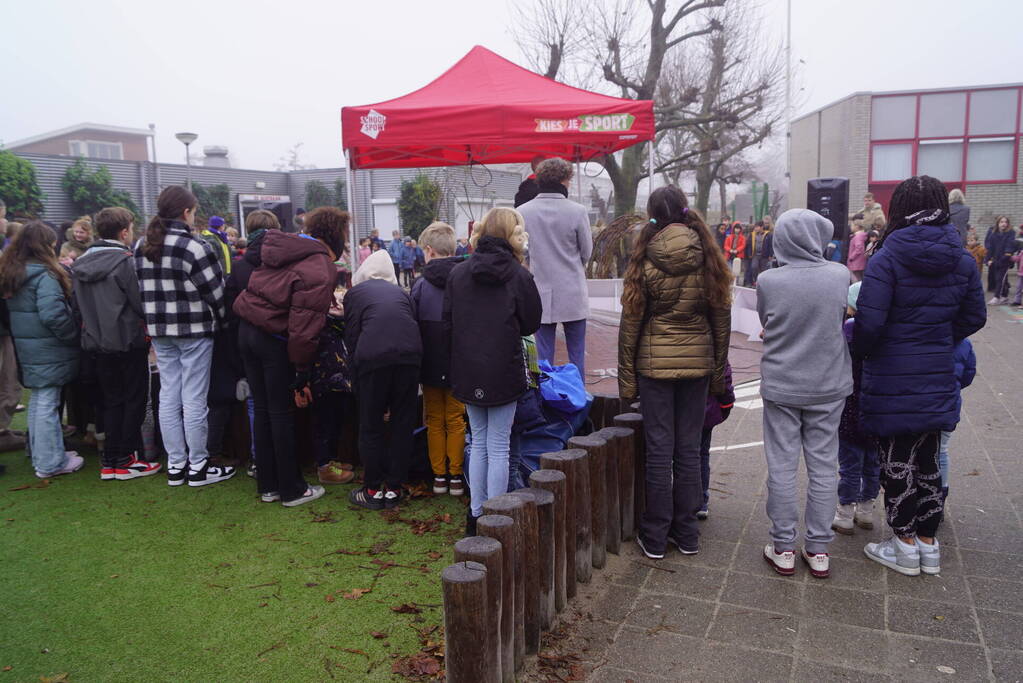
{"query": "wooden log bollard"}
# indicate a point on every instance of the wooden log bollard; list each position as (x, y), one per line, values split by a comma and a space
(531, 537)
(544, 501)
(465, 618)
(515, 508)
(487, 551)
(502, 528)
(626, 480)
(634, 421)
(596, 448)
(615, 440)
(561, 462)
(578, 462)
(554, 482)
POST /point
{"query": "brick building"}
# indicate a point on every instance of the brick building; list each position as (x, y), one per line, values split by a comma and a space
(967, 136)
(91, 140)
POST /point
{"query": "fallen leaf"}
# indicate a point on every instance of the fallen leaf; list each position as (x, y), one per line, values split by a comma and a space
(939, 617)
(416, 666)
(945, 669)
(406, 608)
(59, 678)
(378, 634)
(311, 584)
(356, 593)
(38, 485)
(330, 597)
(434, 555)
(8, 667)
(114, 576)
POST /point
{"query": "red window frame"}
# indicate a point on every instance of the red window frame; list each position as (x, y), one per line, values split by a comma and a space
(914, 142)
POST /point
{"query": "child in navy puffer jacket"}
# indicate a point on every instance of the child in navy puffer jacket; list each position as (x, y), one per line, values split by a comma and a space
(717, 411)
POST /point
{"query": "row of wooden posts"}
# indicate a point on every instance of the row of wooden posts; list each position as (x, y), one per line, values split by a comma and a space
(535, 545)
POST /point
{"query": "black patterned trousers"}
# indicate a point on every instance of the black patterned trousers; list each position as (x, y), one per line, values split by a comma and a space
(912, 483)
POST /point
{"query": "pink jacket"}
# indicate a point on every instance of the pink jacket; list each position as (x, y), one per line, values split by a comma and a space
(857, 251)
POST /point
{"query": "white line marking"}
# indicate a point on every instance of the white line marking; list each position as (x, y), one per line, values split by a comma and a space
(735, 447)
(747, 391)
(750, 405)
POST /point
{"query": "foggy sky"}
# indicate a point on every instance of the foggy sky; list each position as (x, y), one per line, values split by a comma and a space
(260, 76)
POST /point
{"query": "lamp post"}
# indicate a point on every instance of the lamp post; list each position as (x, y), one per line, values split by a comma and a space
(186, 139)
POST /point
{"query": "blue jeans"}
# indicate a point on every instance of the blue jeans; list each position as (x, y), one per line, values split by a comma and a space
(488, 455)
(575, 340)
(184, 364)
(943, 455)
(859, 472)
(45, 436)
(705, 465)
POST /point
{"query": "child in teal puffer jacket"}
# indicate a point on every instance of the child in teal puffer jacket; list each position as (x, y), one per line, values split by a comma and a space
(36, 290)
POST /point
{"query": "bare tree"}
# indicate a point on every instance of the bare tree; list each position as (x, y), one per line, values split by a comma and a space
(550, 34)
(732, 79)
(290, 160)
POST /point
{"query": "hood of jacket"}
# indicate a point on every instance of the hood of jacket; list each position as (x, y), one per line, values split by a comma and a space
(926, 249)
(102, 258)
(377, 267)
(254, 251)
(676, 250)
(437, 270)
(494, 262)
(282, 249)
(800, 236)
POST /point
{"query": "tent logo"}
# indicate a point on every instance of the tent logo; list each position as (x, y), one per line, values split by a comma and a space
(587, 123)
(373, 123)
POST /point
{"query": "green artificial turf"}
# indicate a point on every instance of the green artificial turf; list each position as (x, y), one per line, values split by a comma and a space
(138, 581)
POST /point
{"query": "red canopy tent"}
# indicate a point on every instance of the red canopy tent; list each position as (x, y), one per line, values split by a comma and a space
(488, 110)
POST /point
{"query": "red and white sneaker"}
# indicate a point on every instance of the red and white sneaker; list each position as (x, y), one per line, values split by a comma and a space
(819, 564)
(107, 474)
(784, 562)
(136, 468)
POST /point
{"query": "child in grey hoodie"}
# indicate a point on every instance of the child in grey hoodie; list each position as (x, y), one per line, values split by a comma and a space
(806, 375)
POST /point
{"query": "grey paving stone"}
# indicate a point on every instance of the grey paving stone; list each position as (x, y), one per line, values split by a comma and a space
(1001, 629)
(675, 613)
(856, 574)
(815, 671)
(1004, 596)
(917, 659)
(613, 604)
(763, 630)
(843, 645)
(631, 570)
(992, 565)
(702, 583)
(721, 528)
(610, 674)
(934, 619)
(654, 652)
(728, 662)
(782, 595)
(944, 587)
(1007, 665)
(712, 554)
(857, 608)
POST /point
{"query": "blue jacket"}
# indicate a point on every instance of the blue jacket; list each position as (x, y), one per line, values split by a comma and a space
(394, 249)
(408, 257)
(998, 244)
(966, 367)
(921, 296)
(44, 330)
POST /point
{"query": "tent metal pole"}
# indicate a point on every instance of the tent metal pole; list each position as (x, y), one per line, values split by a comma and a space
(353, 240)
(578, 181)
(650, 167)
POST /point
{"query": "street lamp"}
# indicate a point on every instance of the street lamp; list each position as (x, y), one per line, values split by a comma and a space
(186, 139)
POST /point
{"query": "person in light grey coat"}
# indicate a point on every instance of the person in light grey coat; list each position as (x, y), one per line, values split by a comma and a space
(806, 375)
(560, 245)
(959, 212)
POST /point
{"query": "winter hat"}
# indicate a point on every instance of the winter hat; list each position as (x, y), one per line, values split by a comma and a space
(854, 294)
(216, 221)
(377, 267)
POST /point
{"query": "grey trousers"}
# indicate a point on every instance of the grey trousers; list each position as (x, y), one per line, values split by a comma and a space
(814, 431)
(673, 425)
(10, 390)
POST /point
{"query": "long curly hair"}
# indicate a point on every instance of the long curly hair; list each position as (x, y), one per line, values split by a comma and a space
(668, 205)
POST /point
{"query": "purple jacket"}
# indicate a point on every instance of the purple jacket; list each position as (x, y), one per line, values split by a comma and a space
(714, 414)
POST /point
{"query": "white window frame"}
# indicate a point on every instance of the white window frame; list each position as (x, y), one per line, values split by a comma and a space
(86, 143)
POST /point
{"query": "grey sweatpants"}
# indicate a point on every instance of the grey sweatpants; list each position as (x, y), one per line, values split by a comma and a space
(814, 431)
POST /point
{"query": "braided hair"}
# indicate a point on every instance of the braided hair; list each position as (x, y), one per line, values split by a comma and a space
(916, 195)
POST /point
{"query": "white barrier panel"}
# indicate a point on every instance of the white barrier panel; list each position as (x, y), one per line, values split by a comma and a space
(744, 313)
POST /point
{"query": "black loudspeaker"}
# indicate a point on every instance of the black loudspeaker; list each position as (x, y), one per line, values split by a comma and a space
(830, 198)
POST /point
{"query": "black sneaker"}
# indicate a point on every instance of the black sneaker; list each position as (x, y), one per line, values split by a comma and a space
(209, 474)
(392, 499)
(651, 555)
(176, 475)
(363, 497)
(685, 550)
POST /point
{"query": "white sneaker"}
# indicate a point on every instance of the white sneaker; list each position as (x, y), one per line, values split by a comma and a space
(271, 497)
(930, 557)
(784, 562)
(819, 564)
(843, 522)
(864, 516)
(896, 555)
(994, 301)
(311, 494)
(72, 463)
